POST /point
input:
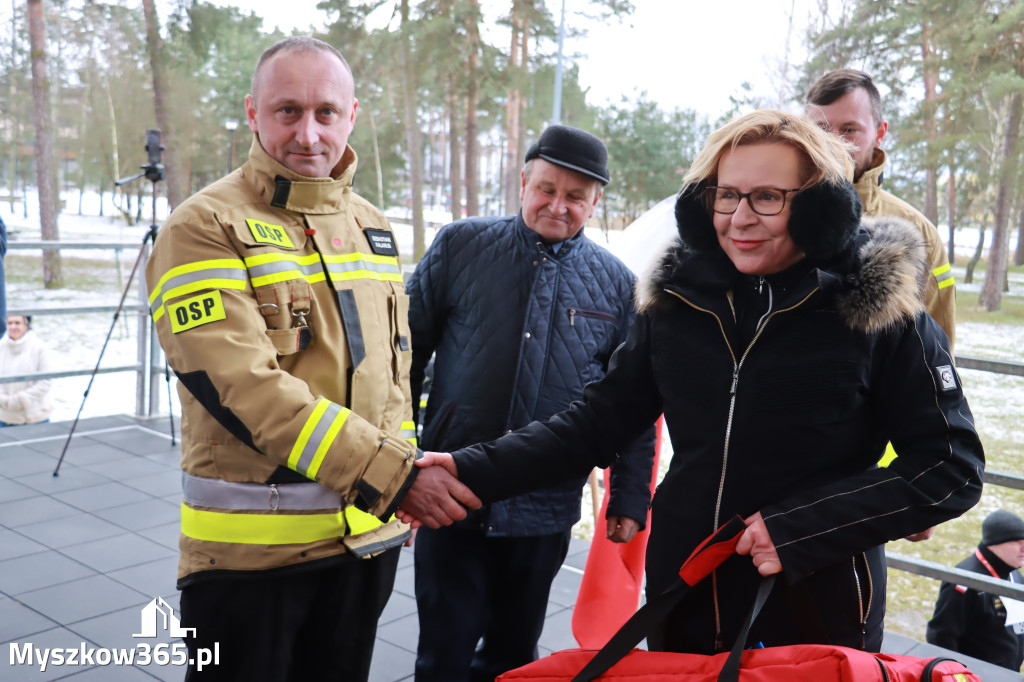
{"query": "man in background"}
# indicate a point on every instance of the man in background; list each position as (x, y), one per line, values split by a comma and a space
(972, 622)
(847, 103)
(522, 312)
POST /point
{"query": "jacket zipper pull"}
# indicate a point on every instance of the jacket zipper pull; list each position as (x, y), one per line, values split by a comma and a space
(760, 284)
(572, 317)
(735, 380)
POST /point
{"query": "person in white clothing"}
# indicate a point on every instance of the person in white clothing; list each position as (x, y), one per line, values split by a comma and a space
(23, 352)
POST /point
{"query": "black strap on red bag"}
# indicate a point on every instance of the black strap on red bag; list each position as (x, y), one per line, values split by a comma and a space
(708, 556)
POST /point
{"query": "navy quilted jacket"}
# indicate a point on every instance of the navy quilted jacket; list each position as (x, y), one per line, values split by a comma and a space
(518, 330)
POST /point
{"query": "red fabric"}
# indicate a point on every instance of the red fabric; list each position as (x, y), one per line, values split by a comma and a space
(712, 552)
(614, 575)
(803, 663)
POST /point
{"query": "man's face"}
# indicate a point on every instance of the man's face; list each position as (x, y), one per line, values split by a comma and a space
(556, 201)
(1011, 553)
(303, 110)
(850, 118)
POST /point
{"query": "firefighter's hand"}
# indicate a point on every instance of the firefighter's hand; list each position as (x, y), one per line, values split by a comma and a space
(622, 528)
(756, 542)
(437, 498)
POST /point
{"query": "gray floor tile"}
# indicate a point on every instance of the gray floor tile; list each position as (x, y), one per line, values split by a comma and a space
(71, 530)
(12, 490)
(14, 544)
(402, 633)
(18, 622)
(80, 599)
(155, 578)
(391, 663)
(28, 463)
(557, 633)
(565, 587)
(147, 513)
(36, 571)
(117, 552)
(399, 606)
(166, 534)
(33, 510)
(132, 467)
(157, 485)
(85, 452)
(137, 441)
(103, 496)
(70, 478)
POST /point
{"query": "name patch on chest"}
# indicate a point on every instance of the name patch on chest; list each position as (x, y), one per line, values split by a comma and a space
(265, 233)
(196, 311)
(382, 242)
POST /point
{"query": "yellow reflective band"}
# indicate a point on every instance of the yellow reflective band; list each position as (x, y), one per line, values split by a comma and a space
(316, 437)
(265, 233)
(359, 521)
(352, 266)
(409, 432)
(888, 457)
(269, 268)
(260, 529)
(944, 276)
(220, 273)
(196, 311)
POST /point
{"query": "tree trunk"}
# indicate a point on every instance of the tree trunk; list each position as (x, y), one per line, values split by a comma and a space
(1018, 256)
(992, 289)
(454, 156)
(413, 137)
(973, 262)
(53, 277)
(951, 246)
(161, 95)
(472, 97)
(512, 109)
(931, 81)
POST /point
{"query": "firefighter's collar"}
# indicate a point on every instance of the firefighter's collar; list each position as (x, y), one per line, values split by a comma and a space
(284, 188)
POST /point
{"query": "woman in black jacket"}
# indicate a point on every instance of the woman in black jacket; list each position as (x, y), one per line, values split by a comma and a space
(786, 343)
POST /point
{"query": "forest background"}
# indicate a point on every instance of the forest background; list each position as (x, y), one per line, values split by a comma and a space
(451, 94)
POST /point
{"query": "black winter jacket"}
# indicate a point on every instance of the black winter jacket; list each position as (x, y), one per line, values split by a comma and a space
(788, 418)
(974, 622)
(518, 330)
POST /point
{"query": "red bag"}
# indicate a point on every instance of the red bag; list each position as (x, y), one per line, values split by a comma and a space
(618, 660)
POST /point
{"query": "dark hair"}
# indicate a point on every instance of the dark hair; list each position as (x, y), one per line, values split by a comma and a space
(295, 44)
(839, 82)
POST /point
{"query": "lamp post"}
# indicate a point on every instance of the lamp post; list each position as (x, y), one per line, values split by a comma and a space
(231, 124)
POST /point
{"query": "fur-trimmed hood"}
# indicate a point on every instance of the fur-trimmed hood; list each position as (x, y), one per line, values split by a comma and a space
(877, 280)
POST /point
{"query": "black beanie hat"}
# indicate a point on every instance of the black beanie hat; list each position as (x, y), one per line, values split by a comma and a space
(1001, 526)
(574, 149)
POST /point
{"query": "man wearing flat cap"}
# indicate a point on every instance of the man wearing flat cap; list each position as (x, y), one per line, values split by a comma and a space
(520, 313)
(975, 623)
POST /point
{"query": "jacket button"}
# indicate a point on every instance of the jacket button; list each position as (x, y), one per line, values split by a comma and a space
(527, 334)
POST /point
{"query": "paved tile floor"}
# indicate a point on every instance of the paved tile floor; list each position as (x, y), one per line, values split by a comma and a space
(82, 553)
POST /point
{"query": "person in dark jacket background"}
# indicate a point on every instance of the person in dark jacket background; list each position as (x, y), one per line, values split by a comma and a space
(786, 343)
(522, 312)
(974, 622)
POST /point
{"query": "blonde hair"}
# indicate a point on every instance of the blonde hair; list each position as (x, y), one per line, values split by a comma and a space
(825, 158)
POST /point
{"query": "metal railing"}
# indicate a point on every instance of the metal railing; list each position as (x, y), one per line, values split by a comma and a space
(146, 387)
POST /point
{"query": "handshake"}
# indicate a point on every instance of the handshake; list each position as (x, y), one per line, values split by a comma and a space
(437, 497)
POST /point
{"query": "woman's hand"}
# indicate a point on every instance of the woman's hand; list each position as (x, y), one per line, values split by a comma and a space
(756, 542)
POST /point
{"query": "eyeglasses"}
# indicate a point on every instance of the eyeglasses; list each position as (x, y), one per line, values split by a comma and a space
(763, 200)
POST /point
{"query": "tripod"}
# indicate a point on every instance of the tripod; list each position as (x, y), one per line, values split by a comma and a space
(154, 172)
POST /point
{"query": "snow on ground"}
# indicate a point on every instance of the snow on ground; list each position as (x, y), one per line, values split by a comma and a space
(77, 340)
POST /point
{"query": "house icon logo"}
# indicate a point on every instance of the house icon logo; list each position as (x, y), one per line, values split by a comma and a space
(158, 611)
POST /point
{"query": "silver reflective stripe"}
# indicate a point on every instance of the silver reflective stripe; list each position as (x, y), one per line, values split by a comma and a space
(317, 437)
(217, 494)
(355, 266)
(284, 266)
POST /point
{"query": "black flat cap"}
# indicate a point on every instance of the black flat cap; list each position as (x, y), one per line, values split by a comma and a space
(574, 149)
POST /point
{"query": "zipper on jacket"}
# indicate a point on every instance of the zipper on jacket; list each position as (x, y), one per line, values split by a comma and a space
(863, 609)
(885, 671)
(737, 366)
(596, 314)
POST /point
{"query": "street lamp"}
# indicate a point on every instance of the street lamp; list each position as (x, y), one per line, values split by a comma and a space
(231, 124)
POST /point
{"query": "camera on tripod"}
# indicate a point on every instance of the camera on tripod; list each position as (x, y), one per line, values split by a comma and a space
(154, 169)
